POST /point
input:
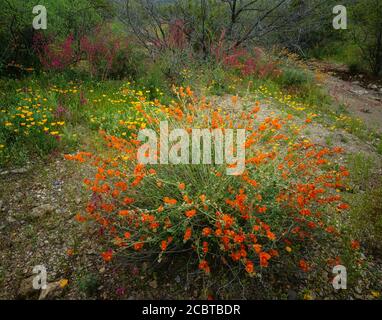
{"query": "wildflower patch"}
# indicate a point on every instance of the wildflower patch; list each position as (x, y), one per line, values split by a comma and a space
(287, 195)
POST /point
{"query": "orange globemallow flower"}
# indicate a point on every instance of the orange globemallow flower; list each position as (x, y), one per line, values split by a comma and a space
(343, 206)
(138, 246)
(206, 231)
(107, 255)
(169, 201)
(262, 209)
(80, 218)
(249, 267)
(271, 235)
(181, 186)
(187, 199)
(228, 220)
(304, 265)
(190, 213)
(128, 201)
(123, 213)
(205, 246)
(239, 238)
(187, 234)
(115, 193)
(264, 257)
(203, 265)
(163, 245)
(262, 127)
(257, 248)
(355, 244)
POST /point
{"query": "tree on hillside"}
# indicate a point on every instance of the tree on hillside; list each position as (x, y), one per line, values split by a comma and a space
(239, 22)
(367, 32)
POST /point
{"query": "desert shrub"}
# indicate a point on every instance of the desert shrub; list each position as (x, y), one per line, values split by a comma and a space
(158, 74)
(367, 33)
(366, 213)
(101, 50)
(125, 63)
(366, 217)
(88, 284)
(55, 56)
(101, 53)
(294, 77)
(272, 212)
(216, 79)
(255, 63)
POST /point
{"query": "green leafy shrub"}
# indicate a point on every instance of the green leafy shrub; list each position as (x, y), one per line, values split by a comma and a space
(366, 216)
(294, 77)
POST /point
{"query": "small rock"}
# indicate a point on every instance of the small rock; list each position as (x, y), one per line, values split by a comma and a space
(42, 210)
(53, 290)
(19, 170)
(57, 184)
(359, 92)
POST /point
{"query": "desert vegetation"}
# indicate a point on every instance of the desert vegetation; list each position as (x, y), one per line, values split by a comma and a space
(76, 199)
